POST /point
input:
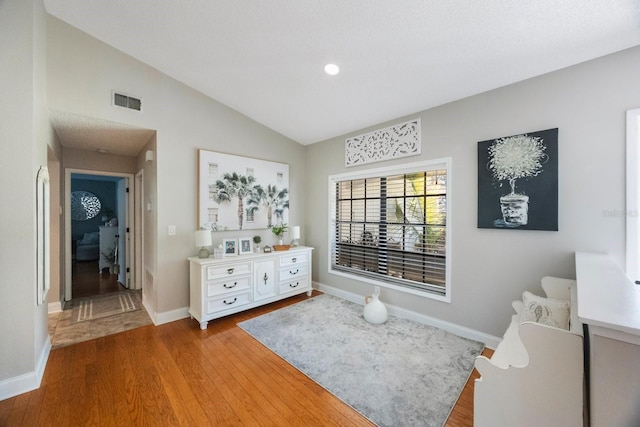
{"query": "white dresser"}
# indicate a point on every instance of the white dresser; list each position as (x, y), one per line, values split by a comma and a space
(219, 287)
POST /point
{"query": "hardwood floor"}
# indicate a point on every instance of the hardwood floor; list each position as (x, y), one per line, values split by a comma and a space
(175, 374)
(86, 281)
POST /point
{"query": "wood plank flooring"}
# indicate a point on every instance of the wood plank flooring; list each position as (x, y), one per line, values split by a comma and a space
(86, 281)
(175, 374)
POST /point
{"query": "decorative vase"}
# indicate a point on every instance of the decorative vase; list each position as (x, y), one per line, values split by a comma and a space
(515, 209)
(374, 310)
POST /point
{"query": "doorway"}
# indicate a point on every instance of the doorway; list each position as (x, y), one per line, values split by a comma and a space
(99, 233)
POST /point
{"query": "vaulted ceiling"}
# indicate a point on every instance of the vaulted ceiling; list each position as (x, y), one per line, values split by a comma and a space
(265, 59)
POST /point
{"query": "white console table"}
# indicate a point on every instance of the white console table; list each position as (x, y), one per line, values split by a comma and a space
(609, 304)
(219, 287)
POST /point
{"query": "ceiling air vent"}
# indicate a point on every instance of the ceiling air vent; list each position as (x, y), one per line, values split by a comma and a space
(127, 101)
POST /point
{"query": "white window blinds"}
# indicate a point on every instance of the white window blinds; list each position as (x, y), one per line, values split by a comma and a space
(391, 226)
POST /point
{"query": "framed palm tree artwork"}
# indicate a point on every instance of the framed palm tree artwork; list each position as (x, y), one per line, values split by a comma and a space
(241, 193)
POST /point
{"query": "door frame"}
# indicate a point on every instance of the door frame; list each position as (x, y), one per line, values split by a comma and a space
(633, 195)
(67, 222)
(138, 227)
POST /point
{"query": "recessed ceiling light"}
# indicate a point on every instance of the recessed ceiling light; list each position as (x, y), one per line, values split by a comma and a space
(331, 69)
(102, 151)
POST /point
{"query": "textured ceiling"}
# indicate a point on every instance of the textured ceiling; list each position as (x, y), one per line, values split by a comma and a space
(88, 133)
(265, 58)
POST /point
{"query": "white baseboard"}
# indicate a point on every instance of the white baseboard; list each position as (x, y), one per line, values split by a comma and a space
(171, 316)
(24, 383)
(54, 307)
(150, 311)
(462, 331)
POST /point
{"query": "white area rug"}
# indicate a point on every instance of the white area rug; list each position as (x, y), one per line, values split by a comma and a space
(400, 373)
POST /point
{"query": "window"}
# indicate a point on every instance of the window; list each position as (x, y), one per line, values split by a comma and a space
(388, 226)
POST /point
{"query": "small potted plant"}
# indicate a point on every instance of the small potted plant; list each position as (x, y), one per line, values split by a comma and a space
(112, 258)
(257, 240)
(278, 231)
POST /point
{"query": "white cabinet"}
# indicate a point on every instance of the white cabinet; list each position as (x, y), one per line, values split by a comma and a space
(219, 287)
(264, 279)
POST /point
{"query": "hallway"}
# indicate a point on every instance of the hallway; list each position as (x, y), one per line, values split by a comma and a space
(67, 327)
(86, 281)
(89, 286)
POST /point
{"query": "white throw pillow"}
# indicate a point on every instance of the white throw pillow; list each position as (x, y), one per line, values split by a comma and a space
(546, 311)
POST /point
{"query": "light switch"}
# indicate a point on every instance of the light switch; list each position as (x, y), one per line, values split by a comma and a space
(172, 230)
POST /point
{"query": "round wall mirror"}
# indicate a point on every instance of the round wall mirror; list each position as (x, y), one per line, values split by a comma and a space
(84, 205)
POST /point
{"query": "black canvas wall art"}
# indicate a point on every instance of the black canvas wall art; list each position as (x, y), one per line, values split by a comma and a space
(518, 181)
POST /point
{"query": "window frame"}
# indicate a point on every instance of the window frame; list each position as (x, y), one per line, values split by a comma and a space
(407, 168)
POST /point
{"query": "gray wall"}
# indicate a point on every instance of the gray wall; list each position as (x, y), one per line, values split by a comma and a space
(150, 219)
(490, 268)
(24, 134)
(83, 71)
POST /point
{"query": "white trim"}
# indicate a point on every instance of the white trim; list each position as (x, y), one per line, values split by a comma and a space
(54, 307)
(633, 190)
(444, 163)
(462, 331)
(171, 316)
(29, 381)
(150, 312)
(137, 272)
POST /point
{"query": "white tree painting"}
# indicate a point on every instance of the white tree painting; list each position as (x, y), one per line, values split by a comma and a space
(518, 160)
(511, 158)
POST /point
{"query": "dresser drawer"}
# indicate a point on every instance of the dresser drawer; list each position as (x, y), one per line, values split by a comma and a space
(293, 259)
(231, 284)
(228, 270)
(294, 285)
(228, 302)
(293, 272)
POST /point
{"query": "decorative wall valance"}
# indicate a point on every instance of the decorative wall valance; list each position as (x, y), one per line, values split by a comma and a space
(393, 142)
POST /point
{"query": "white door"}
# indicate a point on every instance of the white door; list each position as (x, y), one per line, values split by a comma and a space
(124, 239)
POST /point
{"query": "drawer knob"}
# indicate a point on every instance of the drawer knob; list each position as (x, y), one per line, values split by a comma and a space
(294, 259)
(265, 278)
(294, 272)
(294, 286)
(230, 270)
(230, 302)
(230, 286)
